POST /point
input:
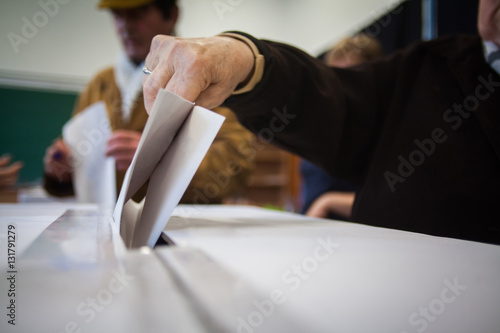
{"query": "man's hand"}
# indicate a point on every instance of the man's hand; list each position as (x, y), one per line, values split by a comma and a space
(122, 146)
(8, 173)
(202, 70)
(339, 203)
(57, 162)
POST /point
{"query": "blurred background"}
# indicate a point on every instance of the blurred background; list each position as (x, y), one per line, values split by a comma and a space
(49, 49)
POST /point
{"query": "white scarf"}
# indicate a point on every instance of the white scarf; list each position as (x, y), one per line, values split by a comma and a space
(128, 77)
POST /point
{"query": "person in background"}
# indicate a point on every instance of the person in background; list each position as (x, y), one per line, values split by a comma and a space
(354, 50)
(417, 131)
(9, 174)
(120, 87)
(325, 196)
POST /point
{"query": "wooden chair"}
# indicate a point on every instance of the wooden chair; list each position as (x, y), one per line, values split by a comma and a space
(275, 181)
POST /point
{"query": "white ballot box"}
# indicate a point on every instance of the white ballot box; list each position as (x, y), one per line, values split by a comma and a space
(239, 269)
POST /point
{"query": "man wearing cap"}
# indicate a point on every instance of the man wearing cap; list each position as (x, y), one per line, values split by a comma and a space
(225, 167)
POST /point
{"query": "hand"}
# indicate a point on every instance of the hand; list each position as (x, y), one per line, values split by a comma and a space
(57, 161)
(203, 70)
(8, 173)
(122, 146)
(339, 203)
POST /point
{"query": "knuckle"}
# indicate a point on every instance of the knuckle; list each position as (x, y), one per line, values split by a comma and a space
(157, 41)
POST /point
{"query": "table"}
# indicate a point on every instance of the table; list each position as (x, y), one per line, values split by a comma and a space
(239, 269)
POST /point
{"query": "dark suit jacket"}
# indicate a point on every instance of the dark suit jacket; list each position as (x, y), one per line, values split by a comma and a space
(419, 131)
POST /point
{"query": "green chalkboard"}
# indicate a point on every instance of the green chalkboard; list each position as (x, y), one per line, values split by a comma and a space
(30, 121)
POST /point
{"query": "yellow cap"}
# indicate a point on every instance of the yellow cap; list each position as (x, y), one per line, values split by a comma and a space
(121, 4)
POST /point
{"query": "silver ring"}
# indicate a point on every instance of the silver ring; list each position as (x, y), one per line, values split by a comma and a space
(145, 70)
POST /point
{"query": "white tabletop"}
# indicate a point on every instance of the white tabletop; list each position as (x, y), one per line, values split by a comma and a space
(240, 269)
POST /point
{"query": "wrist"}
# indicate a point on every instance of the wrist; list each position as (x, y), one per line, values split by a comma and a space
(257, 70)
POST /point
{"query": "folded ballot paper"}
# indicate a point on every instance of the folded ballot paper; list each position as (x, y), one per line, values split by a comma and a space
(173, 144)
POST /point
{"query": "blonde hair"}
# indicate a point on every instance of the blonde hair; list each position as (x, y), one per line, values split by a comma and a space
(360, 47)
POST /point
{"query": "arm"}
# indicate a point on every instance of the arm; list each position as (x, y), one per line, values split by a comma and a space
(330, 116)
(297, 93)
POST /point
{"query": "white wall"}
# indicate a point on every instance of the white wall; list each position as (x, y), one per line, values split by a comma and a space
(71, 39)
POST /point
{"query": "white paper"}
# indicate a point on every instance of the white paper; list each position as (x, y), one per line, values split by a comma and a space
(175, 140)
(94, 174)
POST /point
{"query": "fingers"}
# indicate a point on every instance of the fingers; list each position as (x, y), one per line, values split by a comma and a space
(11, 170)
(203, 70)
(5, 160)
(58, 151)
(152, 84)
(176, 66)
(122, 134)
(339, 203)
(10, 174)
(121, 151)
(158, 78)
(318, 209)
(57, 162)
(16, 167)
(122, 146)
(122, 142)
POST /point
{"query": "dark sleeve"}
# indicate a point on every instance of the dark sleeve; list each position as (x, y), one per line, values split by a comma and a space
(331, 117)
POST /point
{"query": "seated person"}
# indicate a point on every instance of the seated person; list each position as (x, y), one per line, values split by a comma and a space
(323, 195)
(120, 87)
